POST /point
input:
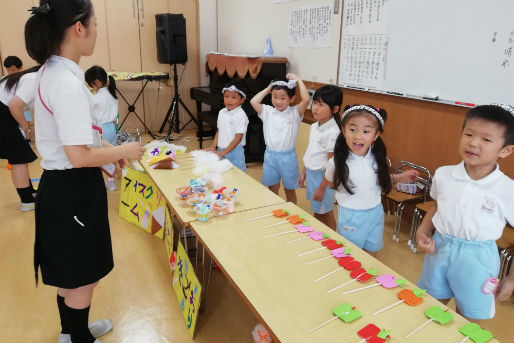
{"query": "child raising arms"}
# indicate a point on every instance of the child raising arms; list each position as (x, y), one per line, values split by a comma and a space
(232, 123)
(325, 109)
(359, 172)
(474, 201)
(280, 125)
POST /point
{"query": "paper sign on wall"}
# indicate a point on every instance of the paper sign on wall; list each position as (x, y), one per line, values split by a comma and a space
(141, 203)
(187, 289)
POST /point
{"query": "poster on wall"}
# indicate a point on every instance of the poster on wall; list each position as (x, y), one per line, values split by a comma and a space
(187, 289)
(141, 203)
(310, 26)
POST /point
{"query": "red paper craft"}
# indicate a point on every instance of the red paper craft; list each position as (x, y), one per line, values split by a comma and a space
(295, 219)
(349, 263)
(279, 213)
(370, 332)
(409, 297)
(360, 275)
(331, 244)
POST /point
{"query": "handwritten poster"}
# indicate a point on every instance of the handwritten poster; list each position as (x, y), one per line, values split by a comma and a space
(366, 12)
(168, 239)
(187, 289)
(141, 203)
(363, 60)
(311, 26)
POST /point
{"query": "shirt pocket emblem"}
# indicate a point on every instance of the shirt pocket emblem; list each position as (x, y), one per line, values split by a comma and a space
(488, 205)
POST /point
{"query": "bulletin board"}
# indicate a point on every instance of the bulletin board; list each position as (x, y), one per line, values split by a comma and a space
(458, 51)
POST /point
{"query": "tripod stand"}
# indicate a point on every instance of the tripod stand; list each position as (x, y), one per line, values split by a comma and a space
(172, 114)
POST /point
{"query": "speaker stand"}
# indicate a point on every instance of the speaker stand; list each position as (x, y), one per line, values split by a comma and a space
(172, 116)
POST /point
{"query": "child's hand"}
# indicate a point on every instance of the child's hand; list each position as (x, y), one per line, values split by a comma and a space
(319, 193)
(292, 77)
(220, 154)
(301, 180)
(122, 163)
(134, 150)
(505, 289)
(208, 149)
(410, 175)
(425, 243)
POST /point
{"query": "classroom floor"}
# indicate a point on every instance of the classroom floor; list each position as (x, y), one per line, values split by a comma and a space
(137, 295)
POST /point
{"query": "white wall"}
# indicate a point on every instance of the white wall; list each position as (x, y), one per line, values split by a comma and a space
(208, 27)
(244, 25)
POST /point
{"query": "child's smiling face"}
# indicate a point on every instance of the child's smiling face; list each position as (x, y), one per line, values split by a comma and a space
(280, 99)
(360, 132)
(232, 100)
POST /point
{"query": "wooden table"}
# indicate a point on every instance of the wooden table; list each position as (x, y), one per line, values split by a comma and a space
(251, 193)
(277, 286)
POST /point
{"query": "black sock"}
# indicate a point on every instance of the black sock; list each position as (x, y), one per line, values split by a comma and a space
(25, 194)
(77, 320)
(60, 306)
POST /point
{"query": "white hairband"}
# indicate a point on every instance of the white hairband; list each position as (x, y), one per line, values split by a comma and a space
(233, 88)
(291, 84)
(367, 109)
(506, 107)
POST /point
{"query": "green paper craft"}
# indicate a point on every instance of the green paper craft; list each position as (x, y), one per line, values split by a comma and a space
(437, 314)
(476, 333)
(372, 271)
(302, 216)
(419, 292)
(306, 224)
(346, 250)
(326, 235)
(400, 282)
(346, 312)
(383, 334)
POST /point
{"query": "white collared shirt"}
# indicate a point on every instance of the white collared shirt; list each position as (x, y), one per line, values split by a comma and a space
(322, 140)
(475, 210)
(280, 128)
(229, 124)
(23, 90)
(107, 106)
(362, 179)
(61, 83)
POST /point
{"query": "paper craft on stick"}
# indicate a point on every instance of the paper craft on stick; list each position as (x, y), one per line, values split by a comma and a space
(474, 332)
(359, 274)
(302, 228)
(436, 314)
(276, 213)
(345, 312)
(372, 334)
(316, 236)
(385, 280)
(411, 298)
(295, 220)
(340, 253)
(332, 244)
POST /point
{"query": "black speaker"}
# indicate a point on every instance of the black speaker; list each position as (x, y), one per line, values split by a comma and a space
(171, 38)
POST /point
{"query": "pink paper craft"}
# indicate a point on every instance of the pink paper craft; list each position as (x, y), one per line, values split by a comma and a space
(304, 229)
(339, 253)
(316, 235)
(387, 280)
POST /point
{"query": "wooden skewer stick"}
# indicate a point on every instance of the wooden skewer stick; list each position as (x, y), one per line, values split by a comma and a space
(319, 259)
(464, 339)
(363, 340)
(360, 289)
(280, 233)
(308, 252)
(328, 274)
(419, 328)
(323, 324)
(297, 239)
(344, 284)
(388, 307)
(284, 222)
(264, 216)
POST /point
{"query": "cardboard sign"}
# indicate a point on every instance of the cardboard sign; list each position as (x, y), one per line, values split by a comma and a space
(187, 289)
(141, 203)
(168, 239)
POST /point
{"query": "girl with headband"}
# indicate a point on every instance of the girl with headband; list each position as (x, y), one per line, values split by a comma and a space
(359, 172)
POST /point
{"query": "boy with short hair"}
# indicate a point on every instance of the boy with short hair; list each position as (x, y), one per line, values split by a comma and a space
(474, 201)
(12, 64)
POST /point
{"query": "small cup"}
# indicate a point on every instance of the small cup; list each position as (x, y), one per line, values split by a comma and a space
(219, 207)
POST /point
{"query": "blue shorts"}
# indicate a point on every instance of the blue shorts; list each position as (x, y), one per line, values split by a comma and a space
(237, 157)
(313, 180)
(459, 268)
(364, 228)
(280, 165)
(109, 132)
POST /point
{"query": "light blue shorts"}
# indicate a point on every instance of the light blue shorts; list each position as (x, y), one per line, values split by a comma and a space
(459, 268)
(364, 228)
(313, 180)
(109, 132)
(237, 157)
(280, 165)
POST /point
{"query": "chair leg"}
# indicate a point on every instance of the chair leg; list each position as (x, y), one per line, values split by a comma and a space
(412, 226)
(399, 220)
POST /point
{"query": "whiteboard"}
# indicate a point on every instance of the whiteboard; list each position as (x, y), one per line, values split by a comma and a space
(456, 51)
